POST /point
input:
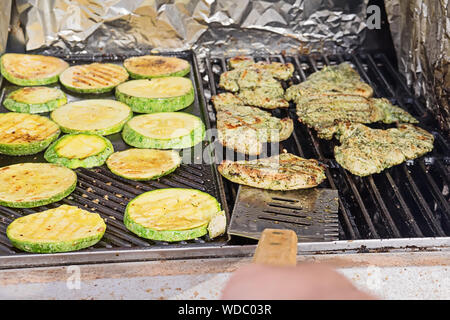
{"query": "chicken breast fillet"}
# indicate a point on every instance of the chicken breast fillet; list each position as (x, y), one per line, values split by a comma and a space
(364, 151)
(281, 172)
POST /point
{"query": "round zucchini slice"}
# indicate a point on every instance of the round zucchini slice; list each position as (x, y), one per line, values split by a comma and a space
(147, 67)
(35, 100)
(143, 164)
(28, 185)
(25, 134)
(79, 150)
(31, 69)
(62, 229)
(172, 214)
(165, 130)
(93, 78)
(156, 95)
(96, 116)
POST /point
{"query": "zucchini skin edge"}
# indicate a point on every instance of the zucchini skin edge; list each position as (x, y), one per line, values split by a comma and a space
(135, 139)
(28, 148)
(42, 202)
(95, 160)
(165, 235)
(153, 105)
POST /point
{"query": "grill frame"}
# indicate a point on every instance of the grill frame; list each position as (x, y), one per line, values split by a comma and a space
(234, 247)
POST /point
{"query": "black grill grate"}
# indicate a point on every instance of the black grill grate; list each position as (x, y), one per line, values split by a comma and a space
(406, 201)
(98, 190)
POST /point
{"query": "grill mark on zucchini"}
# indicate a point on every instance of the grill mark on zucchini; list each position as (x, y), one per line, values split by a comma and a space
(94, 77)
(65, 228)
(82, 76)
(40, 127)
(100, 72)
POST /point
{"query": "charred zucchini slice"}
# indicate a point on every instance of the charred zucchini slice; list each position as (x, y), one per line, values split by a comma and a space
(165, 130)
(35, 100)
(62, 229)
(79, 150)
(147, 67)
(93, 78)
(31, 69)
(143, 164)
(156, 95)
(172, 214)
(24, 134)
(27, 185)
(96, 116)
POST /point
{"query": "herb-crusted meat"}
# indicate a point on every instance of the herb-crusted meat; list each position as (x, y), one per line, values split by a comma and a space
(282, 172)
(323, 112)
(278, 70)
(339, 79)
(364, 151)
(223, 100)
(246, 129)
(256, 83)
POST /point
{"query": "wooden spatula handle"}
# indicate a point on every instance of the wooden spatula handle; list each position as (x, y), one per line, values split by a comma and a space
(277, 247)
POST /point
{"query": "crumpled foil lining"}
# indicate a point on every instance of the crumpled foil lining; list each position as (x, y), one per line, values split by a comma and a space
(5, 12)
(421, 35)
(207, 26)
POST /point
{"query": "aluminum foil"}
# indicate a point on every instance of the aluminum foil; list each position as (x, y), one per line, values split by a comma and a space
(121, 26)
(421, 35)
(5, 12)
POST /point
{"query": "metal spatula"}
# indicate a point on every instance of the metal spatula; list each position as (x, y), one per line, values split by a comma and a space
(311, 213)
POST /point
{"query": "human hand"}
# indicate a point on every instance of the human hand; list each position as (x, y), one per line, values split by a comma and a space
(302, 282)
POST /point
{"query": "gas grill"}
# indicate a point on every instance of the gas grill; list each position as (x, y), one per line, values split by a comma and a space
(406, 207)
(409, 202)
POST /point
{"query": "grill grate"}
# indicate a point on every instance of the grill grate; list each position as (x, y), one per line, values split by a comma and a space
(98, 190)
(406, 201)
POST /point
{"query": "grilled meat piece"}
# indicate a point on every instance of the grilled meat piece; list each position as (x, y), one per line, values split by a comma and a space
(339, 79)
(282, 172)
(364, 151)
(257, 82)
(392, 113)
(263, 97)
(323, 112)
(245, 129)
(278, 70)
(240, 62)
(223, 100)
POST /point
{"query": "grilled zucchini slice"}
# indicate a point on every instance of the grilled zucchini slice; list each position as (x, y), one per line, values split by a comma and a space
(93, 78)
(172, 214)
(79, 150)
(96, 116)
(35, 100)
(156, 95)
(165, 130)
(27, 185)
(24, 134)
(143, 164)
(62, 229)
(147, 67)
(31, 69)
